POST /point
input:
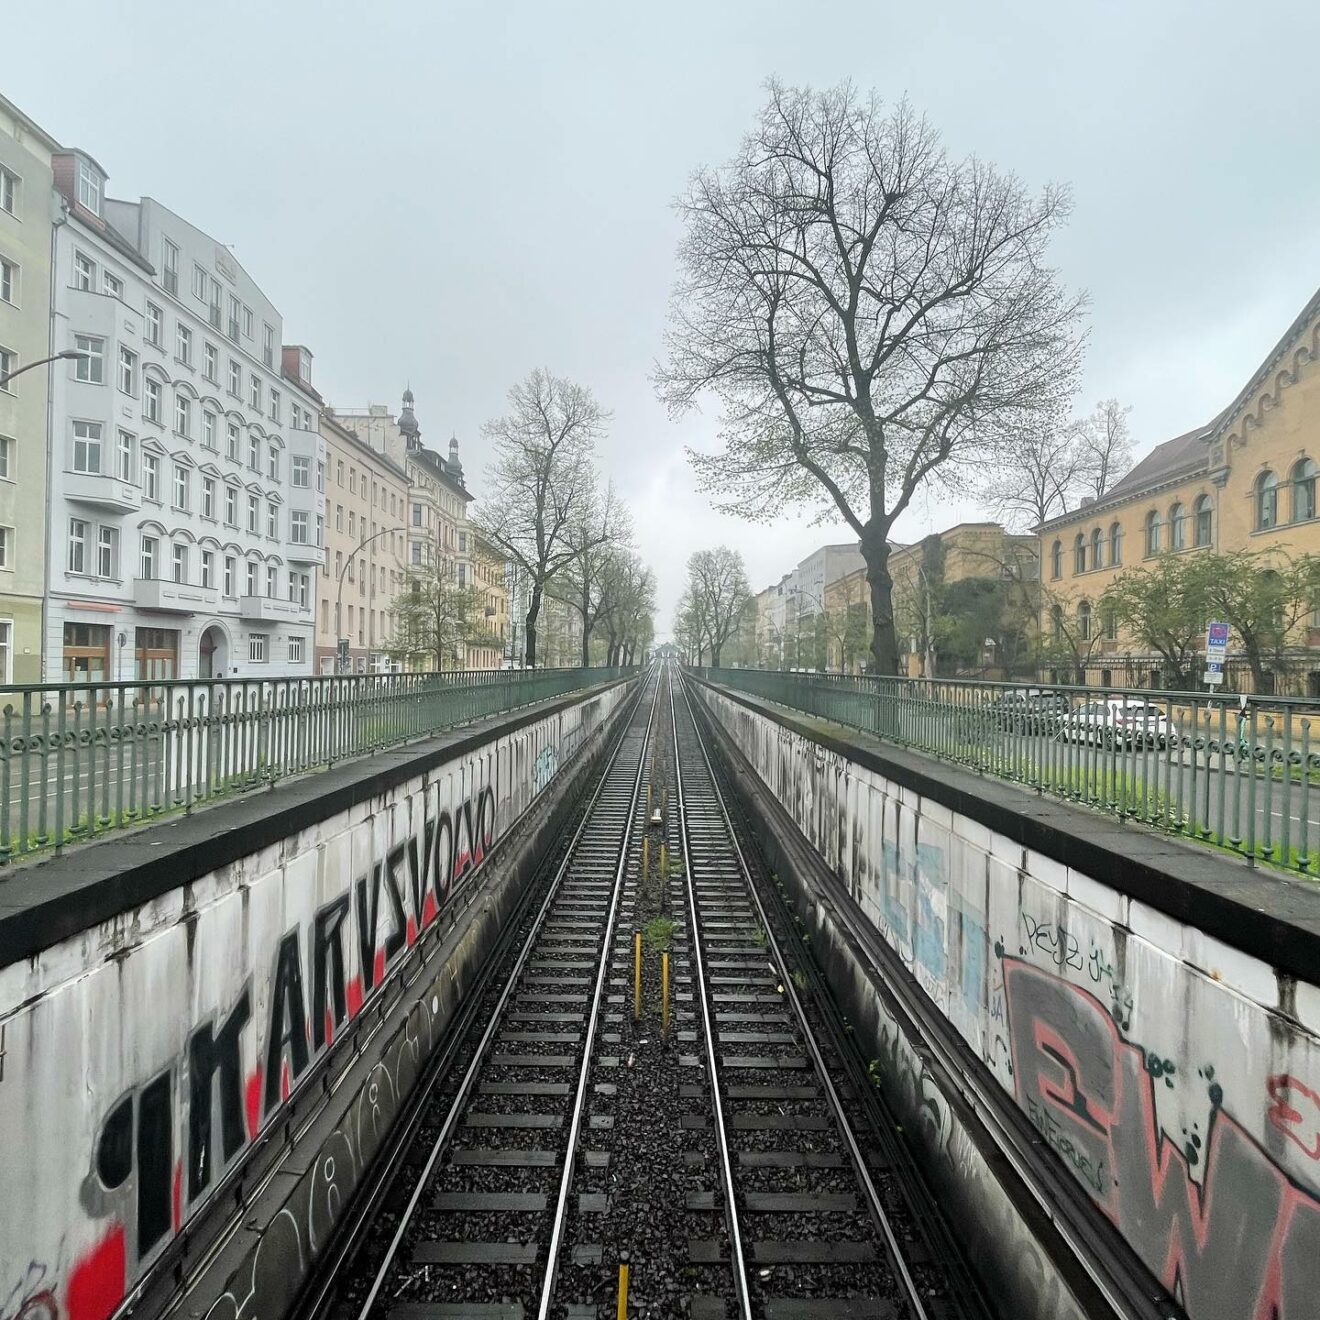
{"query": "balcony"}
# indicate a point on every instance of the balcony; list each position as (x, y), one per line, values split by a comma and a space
(101, 491)
(173, 597)
(271, 609)
(297, 552)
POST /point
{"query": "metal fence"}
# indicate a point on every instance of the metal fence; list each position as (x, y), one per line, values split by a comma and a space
(81, 760)
(1240, 773)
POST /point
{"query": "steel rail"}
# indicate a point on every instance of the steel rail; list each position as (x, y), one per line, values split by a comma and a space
(878, 1214)
(589, 1036)
(459, 1102)
(738, 1261)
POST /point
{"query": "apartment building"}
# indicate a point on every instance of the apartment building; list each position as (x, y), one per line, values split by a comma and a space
(25, 243)
(366, 540)
(180, 543)
(481, 566)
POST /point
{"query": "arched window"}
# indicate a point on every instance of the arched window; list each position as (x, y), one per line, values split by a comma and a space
(1079, 554)
(1056, 559)
(1267, 501)
(1110, 620)
(1203, 519)
(1097, 548)
(1084, 620)
(1303, 484)
(1056, 619)
(1153, 526)
(1177, 528)
(1115, 545)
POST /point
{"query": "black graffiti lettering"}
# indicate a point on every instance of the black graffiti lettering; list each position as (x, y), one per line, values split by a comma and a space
(367, 903)
(155, 1160)
(328, 974)
(114, 1151)
(397, 937)
(443, 857)
(288, 1019)
(419, 869)
(209, 1053)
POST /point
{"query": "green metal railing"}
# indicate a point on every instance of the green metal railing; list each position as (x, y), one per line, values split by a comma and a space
(82, 760)
(1240, 773)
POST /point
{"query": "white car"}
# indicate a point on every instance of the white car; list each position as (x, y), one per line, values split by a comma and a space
(1119, 721)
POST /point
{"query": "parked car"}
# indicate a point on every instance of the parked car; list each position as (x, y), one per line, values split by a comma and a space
(1030, 710)
(1122, 722)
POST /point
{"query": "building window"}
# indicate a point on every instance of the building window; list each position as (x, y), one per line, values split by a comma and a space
(295, 650)
(235, 379)
(155, 325)
(272, 520)
(254, 514)
(8, 190)
(107, 552)
(86, 652)
(339, 517)
(180, 487)
(208, 430)
(320, 530)
(77, 546)
(112, 286)
(1079, 554)
(272, 581)
(1056, 620)
(8, 365)
(1178, 527)
(1203, 520)
(8, 281)
(254, 453)
(231, 507)
(352, 523)
(254, 392)
(417, 552)
(232, 448)
(170, 267)
(1097, 547)
(298, 528)
(273, 463)
(320, 476)
(199, 282)
(124, 467)
(6, 458)
(1084, 620)
(247, 322)
(183, 344)
(182, 415)
(210, 362)
(147, 558)
(1153, 529)
(251, 578)
(90, 364)
(180, 563)
(301, 473)
(268, 344)
(257, 648)
(208, 497)
(6, 547)
(84, 272)
(1115, 545)
(127, 372)
(1267, 501)
(416, 515)
(208, 568)
(232, 328)
(87, 447)
(1303, 484)
(89, 188)
(274, 405)
(151, 398)
(230, 566)
(151, 477)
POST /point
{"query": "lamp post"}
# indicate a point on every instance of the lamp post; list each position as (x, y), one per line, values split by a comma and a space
(68, 355)
(342, 643)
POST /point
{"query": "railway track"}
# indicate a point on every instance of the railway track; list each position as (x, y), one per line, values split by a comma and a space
(710, 1139)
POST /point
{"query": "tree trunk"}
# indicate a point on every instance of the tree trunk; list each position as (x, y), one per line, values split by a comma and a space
(714, 655)
(884, 636)
(529, 624)
(586, 644)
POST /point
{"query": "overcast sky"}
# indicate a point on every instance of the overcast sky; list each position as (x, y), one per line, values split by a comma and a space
(451, 194)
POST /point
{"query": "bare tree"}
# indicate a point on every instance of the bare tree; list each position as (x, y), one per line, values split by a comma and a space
(433, 618)
(1103, 447)
(595, 531)
(540, 480)
(718, 586)
(1034, 479)
(868, 312)
(630, 622)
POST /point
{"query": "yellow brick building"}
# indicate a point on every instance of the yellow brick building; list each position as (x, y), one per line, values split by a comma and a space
(1245, 481)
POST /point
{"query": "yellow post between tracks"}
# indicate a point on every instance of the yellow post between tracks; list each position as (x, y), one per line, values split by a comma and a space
(622, 1312)
(637, 975)
(664, 994)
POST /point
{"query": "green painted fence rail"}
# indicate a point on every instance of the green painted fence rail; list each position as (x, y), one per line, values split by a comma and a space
(82, 760)
(1239, 773)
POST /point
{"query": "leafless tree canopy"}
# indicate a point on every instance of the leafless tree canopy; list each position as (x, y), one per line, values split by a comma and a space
(599, 530)
(541, 479)
(714, 600)
(867, 311)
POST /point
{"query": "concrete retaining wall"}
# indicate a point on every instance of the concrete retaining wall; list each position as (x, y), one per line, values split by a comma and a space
(1171, 1064)
(250, 1030)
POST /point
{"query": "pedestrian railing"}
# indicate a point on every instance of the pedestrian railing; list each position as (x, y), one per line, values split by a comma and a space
(1240, 773)
(81, 760)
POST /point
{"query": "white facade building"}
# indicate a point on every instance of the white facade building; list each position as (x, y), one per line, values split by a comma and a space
(187, 472)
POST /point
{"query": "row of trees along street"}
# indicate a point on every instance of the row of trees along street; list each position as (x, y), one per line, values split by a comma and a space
(870, 314)
(715, 604)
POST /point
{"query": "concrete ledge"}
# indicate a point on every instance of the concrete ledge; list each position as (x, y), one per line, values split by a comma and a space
(47, 901)
(1264, 914)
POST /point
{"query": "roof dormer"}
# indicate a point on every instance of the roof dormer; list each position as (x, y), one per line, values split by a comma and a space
(81, 181)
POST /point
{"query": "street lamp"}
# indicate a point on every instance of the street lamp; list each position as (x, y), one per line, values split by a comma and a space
(67, 355)
(342, 643)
